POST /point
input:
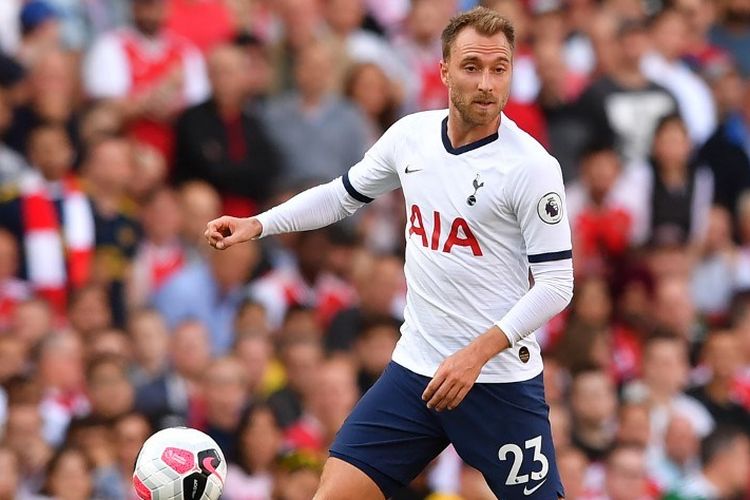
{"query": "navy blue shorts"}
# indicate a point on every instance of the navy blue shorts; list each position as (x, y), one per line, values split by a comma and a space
(502, 430)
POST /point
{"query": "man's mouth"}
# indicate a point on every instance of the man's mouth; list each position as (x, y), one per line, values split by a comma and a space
(484, 103)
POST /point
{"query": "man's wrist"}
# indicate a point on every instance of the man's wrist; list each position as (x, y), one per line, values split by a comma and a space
(490, 344)
(258, 229)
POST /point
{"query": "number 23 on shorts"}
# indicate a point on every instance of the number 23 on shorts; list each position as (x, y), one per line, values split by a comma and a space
(517, 454)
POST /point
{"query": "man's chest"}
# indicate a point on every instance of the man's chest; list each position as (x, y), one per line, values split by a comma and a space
(452, 201)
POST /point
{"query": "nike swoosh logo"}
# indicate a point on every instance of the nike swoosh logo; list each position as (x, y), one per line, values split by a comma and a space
(532, 490)
(407, 171)
(208, 464)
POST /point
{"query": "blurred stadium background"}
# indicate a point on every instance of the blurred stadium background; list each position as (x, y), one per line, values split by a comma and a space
(125, 125)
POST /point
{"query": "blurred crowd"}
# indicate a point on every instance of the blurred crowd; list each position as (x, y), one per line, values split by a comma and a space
(126, 125)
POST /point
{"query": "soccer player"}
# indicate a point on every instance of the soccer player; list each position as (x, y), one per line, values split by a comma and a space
(485, 203)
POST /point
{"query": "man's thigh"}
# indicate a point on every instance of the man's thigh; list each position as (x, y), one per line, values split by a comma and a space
(503, 430)
(391, 435)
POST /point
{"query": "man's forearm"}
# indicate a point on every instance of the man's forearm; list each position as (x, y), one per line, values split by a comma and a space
(311, 209)
(550, 294)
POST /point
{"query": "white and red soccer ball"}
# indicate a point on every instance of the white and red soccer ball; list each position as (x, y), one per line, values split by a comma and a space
(179, 463)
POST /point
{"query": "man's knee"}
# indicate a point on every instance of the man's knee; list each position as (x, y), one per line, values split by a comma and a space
(343, 481)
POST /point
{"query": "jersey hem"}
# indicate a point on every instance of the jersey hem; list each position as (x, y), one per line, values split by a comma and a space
(482, 379)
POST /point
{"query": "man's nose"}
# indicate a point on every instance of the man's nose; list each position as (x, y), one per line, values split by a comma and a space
(485, 84)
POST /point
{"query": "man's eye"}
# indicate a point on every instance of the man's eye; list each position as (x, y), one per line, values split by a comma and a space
(470, 68)
(500, 69)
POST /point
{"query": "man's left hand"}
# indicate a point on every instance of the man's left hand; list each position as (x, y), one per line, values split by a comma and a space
(453, 380)
(456, 375)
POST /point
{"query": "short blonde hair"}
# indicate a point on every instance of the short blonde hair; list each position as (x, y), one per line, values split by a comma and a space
(485, 21)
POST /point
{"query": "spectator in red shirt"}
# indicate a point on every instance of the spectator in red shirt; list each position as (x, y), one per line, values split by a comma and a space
(61, 376)
(161, 253)
(419, 48)
(599, 213)
(150, 72)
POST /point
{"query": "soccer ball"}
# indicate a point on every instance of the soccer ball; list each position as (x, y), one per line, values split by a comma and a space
(179, 464)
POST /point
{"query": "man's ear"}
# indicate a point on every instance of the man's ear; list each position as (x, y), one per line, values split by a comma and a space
(444, 71)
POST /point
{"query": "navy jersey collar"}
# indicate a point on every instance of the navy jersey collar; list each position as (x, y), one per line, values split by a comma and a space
(466, 147)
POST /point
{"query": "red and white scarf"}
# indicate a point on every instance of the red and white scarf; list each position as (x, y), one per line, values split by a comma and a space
(47, 245)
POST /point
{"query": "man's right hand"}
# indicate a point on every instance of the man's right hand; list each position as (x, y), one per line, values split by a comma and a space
(226, 231)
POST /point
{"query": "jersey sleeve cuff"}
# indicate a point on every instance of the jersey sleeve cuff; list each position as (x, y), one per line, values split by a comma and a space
(264, 223)
(507, 331)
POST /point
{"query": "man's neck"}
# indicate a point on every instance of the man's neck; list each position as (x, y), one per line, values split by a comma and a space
(461, 133)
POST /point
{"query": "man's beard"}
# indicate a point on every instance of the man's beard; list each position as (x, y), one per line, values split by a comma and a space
(471, 116)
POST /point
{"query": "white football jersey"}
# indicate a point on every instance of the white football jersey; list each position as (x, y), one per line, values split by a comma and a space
(477, 216)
